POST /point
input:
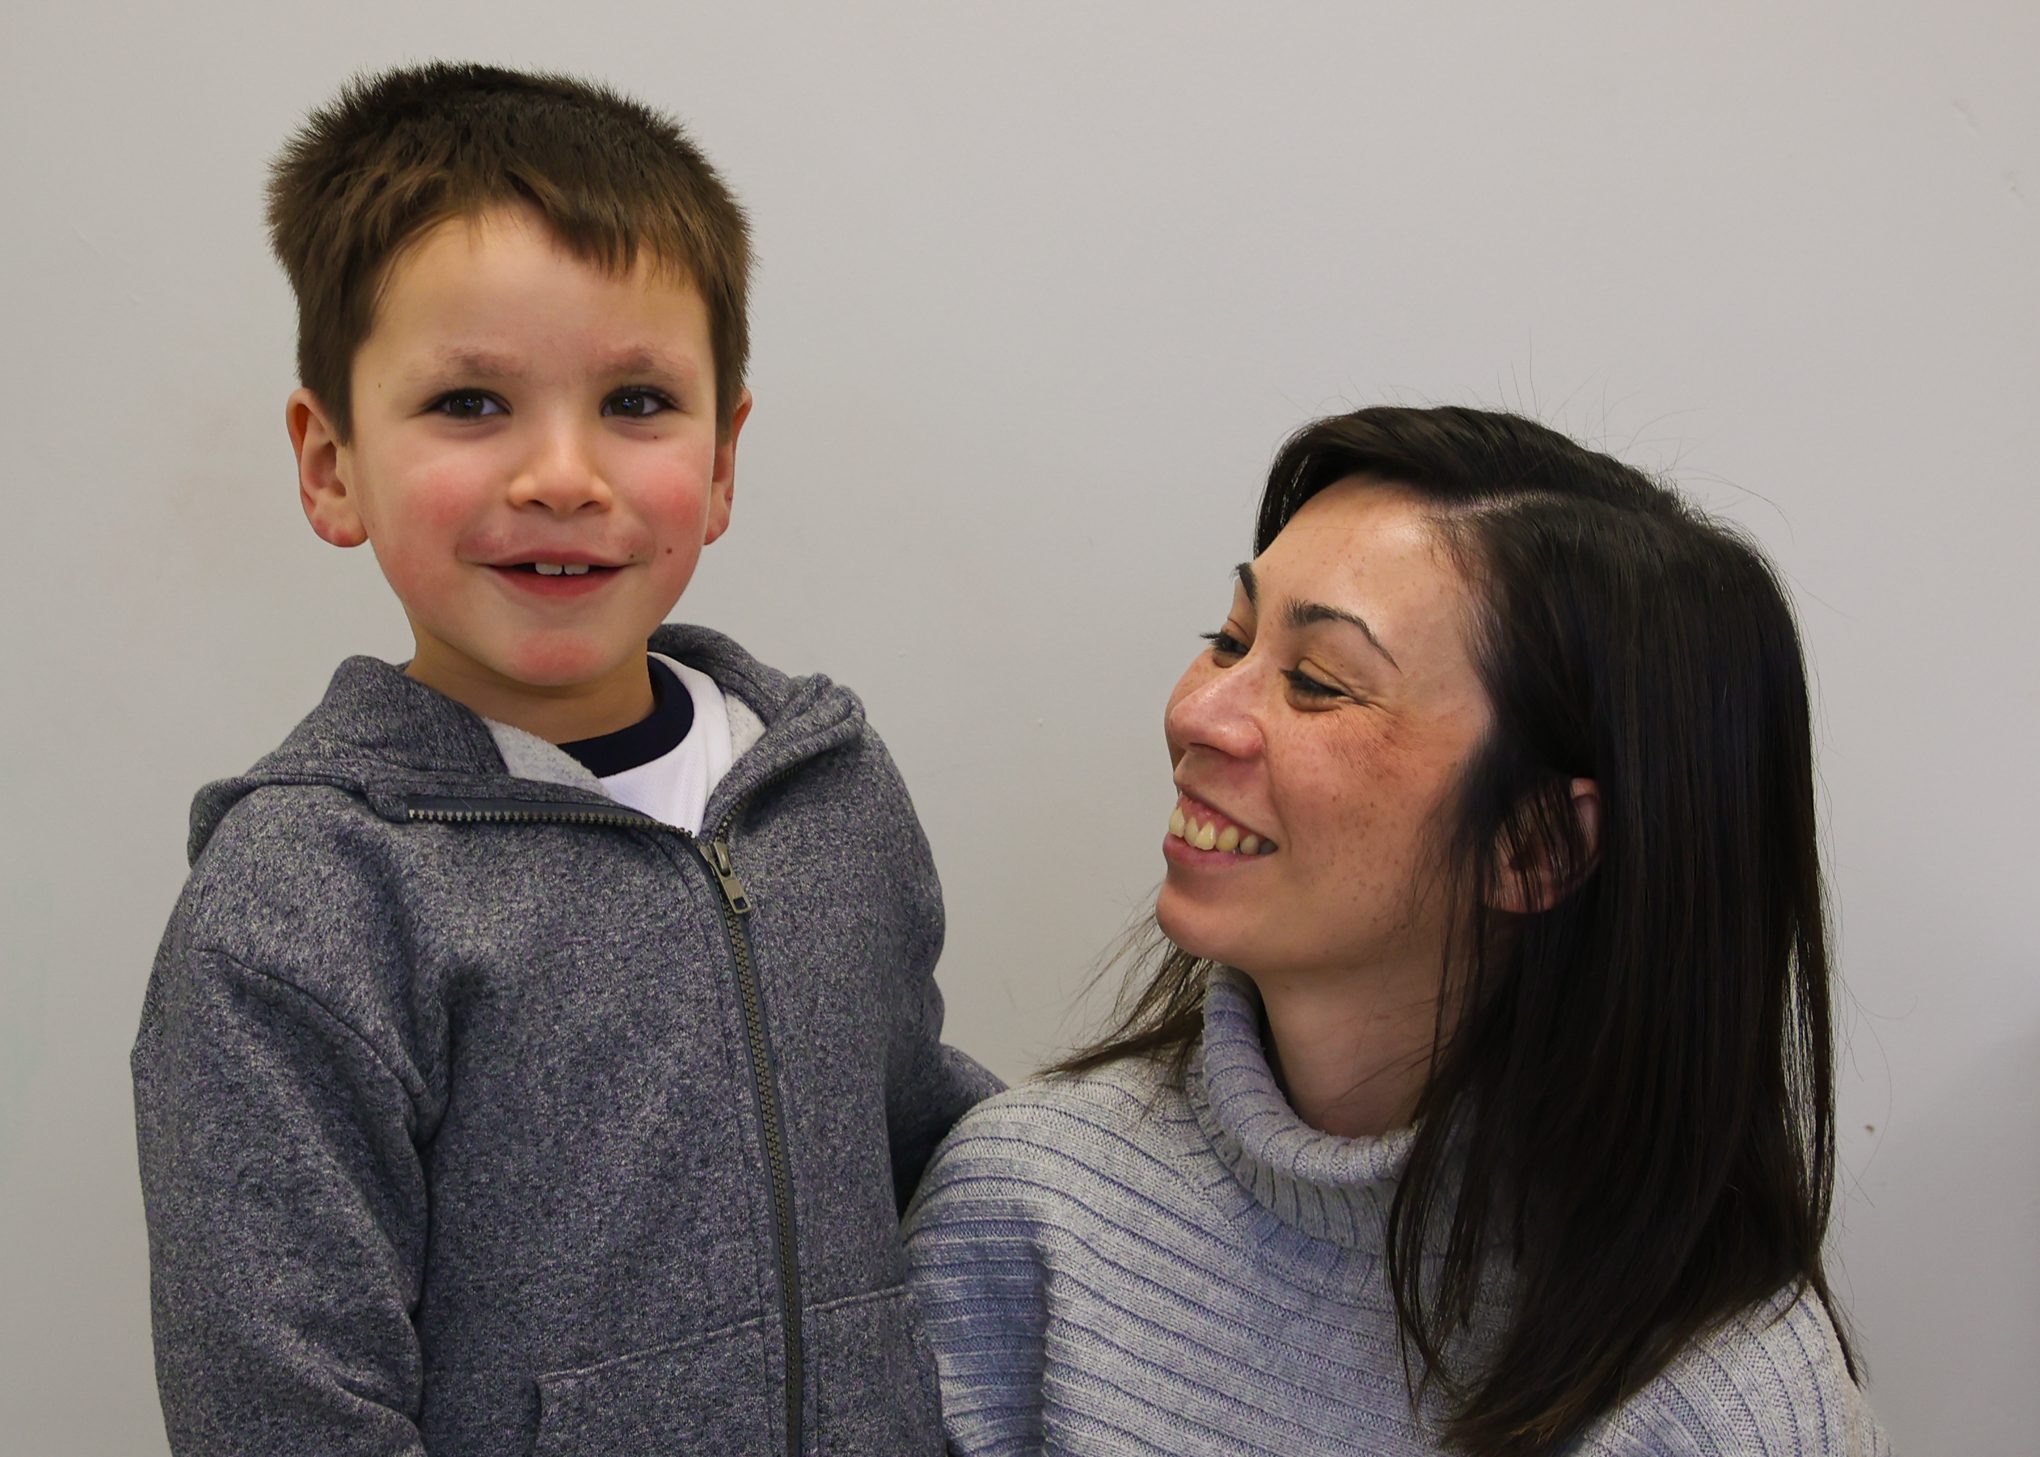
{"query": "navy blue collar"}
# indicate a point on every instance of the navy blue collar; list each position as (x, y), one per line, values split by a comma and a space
(654, 736)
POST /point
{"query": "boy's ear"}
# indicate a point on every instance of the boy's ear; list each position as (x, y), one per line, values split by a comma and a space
(324, 466)
(724, 483)
(1537, 877)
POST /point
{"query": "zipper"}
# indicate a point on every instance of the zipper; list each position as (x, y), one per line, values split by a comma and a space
(715, 854)
(737, 905)
(726, 872)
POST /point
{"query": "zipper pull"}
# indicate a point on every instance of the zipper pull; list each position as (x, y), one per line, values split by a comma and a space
(726, 876)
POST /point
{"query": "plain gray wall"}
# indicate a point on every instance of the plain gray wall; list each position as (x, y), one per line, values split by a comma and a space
(1042, 287)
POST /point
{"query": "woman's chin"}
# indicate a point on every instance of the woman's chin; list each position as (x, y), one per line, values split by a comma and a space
(1182, 925)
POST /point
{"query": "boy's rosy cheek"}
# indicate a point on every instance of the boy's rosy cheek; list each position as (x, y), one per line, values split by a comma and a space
(413, 569)
(442, 500)
(676, 494)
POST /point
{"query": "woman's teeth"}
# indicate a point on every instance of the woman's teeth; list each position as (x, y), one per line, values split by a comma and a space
(1206, 836)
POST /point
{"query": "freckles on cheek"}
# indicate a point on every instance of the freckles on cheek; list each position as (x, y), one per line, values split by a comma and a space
(1374, 747)
(1353, 819)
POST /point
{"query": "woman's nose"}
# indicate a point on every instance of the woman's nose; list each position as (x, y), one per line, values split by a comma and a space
(1215, 708)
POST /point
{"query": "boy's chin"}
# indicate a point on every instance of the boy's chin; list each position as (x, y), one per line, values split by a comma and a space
(566, 664)
(554, 678)
(538, 671)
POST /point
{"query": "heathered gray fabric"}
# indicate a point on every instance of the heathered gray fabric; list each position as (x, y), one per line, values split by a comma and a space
(448, 1133)
(1113, 1264)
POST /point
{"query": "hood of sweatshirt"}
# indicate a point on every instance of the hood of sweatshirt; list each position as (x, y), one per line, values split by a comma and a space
(390, 739)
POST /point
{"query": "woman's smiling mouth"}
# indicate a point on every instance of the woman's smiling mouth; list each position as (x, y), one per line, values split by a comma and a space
(1195, 825)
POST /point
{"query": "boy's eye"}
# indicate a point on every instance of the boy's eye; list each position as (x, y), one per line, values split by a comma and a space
(467, 405)
(636, 403)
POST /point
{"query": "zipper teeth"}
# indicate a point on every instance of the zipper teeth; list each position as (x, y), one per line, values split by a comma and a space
(777, 1165)
(775, 1133)
(782, 1194)
(547, 816)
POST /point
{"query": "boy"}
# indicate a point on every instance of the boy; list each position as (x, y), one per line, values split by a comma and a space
(546, 1039)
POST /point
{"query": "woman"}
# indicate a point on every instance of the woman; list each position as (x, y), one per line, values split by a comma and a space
(1479, 1098)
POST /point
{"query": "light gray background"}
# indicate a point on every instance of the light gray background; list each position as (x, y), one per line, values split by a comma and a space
(1042, 287)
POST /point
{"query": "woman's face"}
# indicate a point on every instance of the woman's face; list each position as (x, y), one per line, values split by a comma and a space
(1315, 743)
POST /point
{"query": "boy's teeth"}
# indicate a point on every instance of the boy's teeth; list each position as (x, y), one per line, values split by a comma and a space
(580, 570)
(558, 569)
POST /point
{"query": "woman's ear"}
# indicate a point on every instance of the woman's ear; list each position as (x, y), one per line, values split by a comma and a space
(324, 466)
(1536, 874)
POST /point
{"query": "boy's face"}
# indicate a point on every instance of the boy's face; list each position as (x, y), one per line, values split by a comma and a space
(535, 461)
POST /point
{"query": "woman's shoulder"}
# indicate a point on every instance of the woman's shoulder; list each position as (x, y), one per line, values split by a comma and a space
(1113, 1090)
(1046, 1141)
(1770, 1380)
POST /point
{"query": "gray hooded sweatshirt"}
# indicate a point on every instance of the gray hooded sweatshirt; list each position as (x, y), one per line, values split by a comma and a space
(480, 1114)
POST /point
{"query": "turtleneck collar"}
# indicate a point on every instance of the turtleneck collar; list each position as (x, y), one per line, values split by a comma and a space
(1319, 1184)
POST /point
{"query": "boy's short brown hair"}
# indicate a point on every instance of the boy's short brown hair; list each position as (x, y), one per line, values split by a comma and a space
(397, 153)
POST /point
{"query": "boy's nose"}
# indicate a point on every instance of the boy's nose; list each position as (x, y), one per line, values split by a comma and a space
(561, 475)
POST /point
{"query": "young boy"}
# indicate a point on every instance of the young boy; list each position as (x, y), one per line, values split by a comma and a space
(546, 1039)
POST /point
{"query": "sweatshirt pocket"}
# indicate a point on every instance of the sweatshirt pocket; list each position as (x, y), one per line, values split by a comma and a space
(710, 1395)
(875, 1393)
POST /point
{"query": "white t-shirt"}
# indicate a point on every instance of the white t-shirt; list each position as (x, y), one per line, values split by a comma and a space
(674, 786)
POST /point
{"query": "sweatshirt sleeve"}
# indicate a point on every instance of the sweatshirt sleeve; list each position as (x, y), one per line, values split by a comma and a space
(287, 1218)
(929, 1084)
(934, 1086)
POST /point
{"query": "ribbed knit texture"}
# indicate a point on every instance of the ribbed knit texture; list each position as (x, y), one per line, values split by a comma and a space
(1110, 1264)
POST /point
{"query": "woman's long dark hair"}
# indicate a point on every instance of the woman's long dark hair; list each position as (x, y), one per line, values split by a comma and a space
(1633, 1099)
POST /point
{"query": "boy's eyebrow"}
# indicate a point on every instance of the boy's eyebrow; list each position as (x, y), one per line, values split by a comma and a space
(481, 363)
(646, 360)
(1307, 614)
(474, 361)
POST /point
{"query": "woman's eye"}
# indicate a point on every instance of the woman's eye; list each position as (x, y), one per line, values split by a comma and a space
(636, 404)
(467, 405)
(1224, 644)
(1305, 686)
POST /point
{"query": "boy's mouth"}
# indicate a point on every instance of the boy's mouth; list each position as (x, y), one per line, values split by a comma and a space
(556, 578)
(555, 563)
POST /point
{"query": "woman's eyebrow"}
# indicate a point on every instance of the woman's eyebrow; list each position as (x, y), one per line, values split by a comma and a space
(1299, 615)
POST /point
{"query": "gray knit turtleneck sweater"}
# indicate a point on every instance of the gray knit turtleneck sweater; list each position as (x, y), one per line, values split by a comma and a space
(1116, 1266)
